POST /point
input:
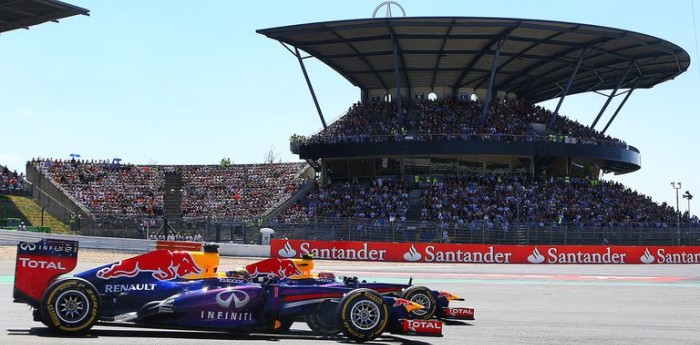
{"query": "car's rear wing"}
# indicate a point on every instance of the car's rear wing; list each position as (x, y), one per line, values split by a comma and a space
(39, 264)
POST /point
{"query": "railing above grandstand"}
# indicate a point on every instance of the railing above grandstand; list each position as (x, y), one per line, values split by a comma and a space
(355, 229)
(296, 141)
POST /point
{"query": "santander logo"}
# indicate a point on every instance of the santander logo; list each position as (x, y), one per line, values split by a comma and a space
(535, 257)
(412, 254)
(647, 258)
(287, 251)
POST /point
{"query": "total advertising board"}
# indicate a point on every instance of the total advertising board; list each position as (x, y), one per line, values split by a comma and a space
(484, 253)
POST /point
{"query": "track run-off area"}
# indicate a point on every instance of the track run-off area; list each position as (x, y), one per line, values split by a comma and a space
(514, 304)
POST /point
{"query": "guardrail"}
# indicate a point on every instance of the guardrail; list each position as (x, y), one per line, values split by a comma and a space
(128, 244)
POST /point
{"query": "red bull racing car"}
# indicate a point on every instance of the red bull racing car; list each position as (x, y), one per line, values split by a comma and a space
(184, 290)
(435, 303)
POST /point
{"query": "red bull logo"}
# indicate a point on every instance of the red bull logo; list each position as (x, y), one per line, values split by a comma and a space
(163, 264)
(274, 267)
(401, 302)
(449, 296)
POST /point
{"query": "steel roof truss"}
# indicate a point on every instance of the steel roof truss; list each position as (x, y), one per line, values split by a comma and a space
(397, 77)
(308, 83)
(442, 52)
(489, 91)
(459, 82)
(612, 95)
(619, 107)
(362, 57)
(568, 87)
(398, 51)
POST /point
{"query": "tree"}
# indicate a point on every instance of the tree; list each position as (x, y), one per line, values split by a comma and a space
(225, 162)
(271, 156)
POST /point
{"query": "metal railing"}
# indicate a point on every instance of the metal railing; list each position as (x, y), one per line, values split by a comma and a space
(297, 141)
(356, 229)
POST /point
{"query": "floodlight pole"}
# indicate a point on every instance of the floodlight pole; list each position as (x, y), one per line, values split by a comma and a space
(678, 210)
(688, 196)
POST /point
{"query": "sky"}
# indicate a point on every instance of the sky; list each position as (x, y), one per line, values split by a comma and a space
(185, 82)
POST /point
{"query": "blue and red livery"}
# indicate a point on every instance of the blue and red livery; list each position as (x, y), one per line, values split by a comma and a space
(184, 290)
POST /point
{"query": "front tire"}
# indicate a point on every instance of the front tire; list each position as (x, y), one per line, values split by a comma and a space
(70, 306)
(423, 296)
(363, 315)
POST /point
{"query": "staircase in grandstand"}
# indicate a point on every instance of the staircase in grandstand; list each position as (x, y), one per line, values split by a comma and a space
(172, 198)
(414, 205)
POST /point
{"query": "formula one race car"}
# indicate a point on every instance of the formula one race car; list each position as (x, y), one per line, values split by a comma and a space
(183, 290)
(299, 273)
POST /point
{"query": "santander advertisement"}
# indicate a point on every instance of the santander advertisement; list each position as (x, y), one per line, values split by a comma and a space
(484, 253)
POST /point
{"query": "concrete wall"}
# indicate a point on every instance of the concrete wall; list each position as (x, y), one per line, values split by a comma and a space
(49, 195)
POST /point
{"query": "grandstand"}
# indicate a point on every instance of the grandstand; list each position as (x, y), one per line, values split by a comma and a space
(448, 110)
(446, 143)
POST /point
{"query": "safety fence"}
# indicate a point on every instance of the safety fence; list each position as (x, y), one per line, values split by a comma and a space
(357, 229)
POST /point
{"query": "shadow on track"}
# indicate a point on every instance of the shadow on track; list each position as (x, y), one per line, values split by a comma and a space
(96, 333)
(456, 323)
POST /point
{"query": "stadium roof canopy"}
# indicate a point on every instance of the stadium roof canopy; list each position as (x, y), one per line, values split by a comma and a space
(534, 59)
(21, 14)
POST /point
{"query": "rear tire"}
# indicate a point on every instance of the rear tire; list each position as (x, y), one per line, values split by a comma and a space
(363, 315)
(423, 296)
(324, 320)
(70, 306)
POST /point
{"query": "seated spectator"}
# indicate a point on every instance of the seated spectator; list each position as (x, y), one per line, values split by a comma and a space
(10, 181)
(450, 119)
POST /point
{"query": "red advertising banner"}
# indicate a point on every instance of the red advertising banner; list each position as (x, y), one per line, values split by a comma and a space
(485, 253)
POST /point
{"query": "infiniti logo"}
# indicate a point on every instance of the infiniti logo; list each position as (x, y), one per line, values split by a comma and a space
(27, 246)
(240, 298)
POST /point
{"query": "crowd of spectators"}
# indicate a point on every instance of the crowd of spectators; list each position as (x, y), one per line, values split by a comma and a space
(176, 237)
(230, 192)
(506, 200)
(243, 191)
(10, 181)
(500, 201)
(108, 187)
(363, 122)
(452, 119)
(379, 198)
(246, 192)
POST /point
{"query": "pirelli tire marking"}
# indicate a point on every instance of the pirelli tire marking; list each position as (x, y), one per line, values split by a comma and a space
(70, 306)
(363, 315)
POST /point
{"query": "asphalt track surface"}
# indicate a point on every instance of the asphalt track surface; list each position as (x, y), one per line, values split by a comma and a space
(515, 304)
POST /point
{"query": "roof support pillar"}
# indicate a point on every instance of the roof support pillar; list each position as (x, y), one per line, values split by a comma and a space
(612, 95)
(397, 76)
(619, 107)
(311, 88)
(489, 91)
(566, 89)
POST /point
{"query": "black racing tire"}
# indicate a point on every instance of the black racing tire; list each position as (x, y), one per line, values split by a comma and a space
(324, 320)
(37, 317)
(70, 306)
(425, 297)
(363, 315)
